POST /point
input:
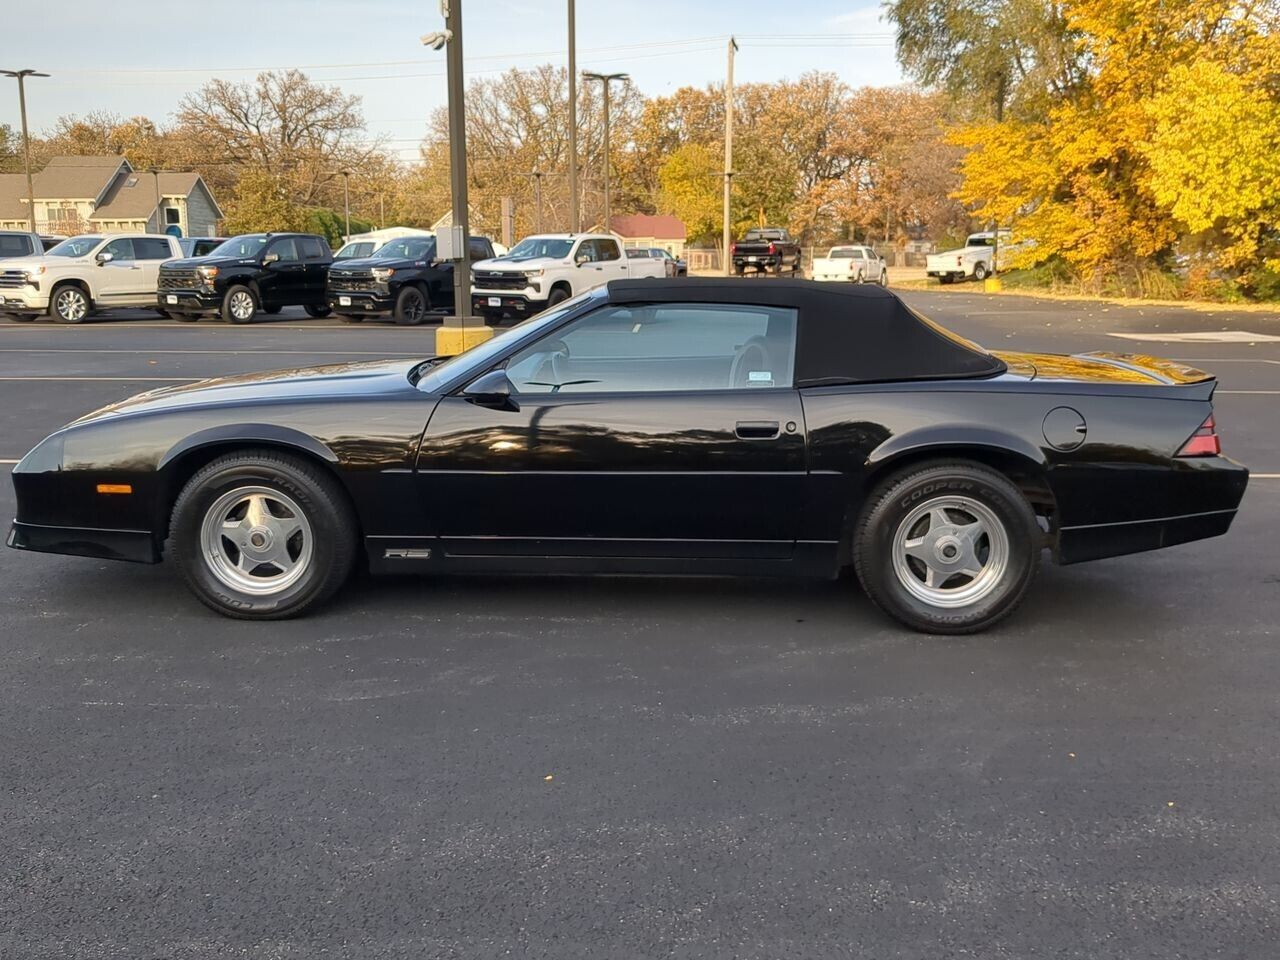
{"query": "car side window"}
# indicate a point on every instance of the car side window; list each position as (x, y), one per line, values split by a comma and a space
(644, 348)
(285, 249)
(608, 250)
(479, 250)
(313, 248)
(151, 248)
(586, 252)
(121, 249)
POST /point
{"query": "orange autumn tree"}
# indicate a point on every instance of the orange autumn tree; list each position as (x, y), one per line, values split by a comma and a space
(1172, 135)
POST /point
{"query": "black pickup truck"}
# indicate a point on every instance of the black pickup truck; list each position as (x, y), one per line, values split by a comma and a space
(247, 275)
(402, 280)
(766, 250)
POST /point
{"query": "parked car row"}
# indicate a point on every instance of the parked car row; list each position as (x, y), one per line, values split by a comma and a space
(239, 278)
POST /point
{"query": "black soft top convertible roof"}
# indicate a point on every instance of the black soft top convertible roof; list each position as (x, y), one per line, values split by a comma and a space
(847, 334)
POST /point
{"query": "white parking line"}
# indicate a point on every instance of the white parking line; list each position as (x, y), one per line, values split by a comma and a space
(1265, 393)
(111, 379)
(220, 353)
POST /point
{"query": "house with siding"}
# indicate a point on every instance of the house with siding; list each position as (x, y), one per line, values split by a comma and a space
(106, 195)
(650, 230)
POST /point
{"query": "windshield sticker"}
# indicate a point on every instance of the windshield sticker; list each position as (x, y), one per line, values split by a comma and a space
(760, 376)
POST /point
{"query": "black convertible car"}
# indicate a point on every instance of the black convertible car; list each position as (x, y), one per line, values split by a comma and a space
(692, 427)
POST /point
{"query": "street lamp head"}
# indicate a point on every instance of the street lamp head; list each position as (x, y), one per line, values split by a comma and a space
(23, 73)
(437, 40)
(605, 77)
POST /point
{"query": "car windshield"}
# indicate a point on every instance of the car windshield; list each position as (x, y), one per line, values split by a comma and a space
(434, 375)
(353, 251)
(75, 247)
(555, 247)
(417, 248)
(842, 253)
(246, 246)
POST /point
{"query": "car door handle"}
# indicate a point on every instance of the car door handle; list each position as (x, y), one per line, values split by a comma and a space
(756, 429)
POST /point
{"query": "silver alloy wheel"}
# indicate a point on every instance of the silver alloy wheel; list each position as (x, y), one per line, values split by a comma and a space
(241, 304)
(256, 540)
(950, 551)
(71, 304)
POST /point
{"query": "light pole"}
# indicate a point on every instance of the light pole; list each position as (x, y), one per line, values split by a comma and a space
(727, 241)
(575, 222)
(346, 201)
(537, 198)
(22, 75)
(451, 37)
(605, 79)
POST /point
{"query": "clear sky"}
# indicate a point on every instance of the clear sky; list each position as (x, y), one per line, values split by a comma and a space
(138, 57)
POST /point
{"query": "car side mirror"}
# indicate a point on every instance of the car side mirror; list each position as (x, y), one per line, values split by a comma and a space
(492, 389)
(581, 259)
(270, 258)
(105, 257)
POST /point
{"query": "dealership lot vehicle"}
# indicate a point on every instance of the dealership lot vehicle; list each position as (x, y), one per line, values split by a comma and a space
(247, 274)
(547, 269)
(85, 274)
(676, 266)
(851, 264)
(402, 279)
(766, 250)
(18, 243)
(940, 470)
(975, 260)
(200, 246)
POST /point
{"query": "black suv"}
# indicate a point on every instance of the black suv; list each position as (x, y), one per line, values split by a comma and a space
(247, 274)
(402, 279)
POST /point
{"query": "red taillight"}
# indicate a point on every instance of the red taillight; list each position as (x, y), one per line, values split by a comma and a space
(1204, 442)
(772, 248)
(733, 248)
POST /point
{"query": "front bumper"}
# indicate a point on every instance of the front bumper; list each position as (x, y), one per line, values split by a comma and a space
(518, 304)
(23, 300)
(137, 546)
(369, 302)
(189, 301)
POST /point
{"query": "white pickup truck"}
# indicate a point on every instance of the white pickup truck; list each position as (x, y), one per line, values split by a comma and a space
(851, 264)
(974, 259)
(86, 273)
(541, 271)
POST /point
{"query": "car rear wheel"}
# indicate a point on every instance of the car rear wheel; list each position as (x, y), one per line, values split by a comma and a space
(317, 313)
(239, 305)
(884, 278)
(263, 535)
(70, 304)
(19, 317)
(979, 271)
(411, 307)
(947, 548)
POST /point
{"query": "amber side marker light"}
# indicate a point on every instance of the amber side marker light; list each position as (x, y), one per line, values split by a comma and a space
(115, 488)
(1204, 442)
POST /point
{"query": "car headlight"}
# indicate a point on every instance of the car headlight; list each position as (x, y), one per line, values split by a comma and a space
(35, 272)
(383, 273)
(208, 273)
(534, 273)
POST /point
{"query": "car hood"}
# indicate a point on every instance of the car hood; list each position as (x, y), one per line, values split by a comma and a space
(332, 381)
(517, 263)
(49, 263)
(368, 263)
(190, 262)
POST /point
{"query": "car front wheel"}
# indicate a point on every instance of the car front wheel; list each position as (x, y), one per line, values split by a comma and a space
(263, 535)
(239, 305)
(947, 548)
(70, 305)
(411, 307)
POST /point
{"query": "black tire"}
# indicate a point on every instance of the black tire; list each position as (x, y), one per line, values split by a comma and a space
(350, 317)
(323, 504)
(245, 311)
(186, 317)
(271, 311)
(19, 317)
(956, 489)
(317, 312)
(69, 304)
(884, 278)
(946, 278)
(412, 304)
(164, 313)
(558, 295)
(979, 271)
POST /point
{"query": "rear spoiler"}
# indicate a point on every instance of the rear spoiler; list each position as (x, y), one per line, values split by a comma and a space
(1168, 372)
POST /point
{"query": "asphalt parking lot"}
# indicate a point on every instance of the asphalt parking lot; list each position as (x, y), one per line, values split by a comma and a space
(638, 768)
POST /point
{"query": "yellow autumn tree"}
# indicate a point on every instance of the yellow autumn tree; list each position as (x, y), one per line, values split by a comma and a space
(1173, 131)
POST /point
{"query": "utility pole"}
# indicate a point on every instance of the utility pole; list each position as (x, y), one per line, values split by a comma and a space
(537, 198)
(346, 201)
(21, 75)
(728, 157)
(382, 213)
(575, 222)
(605, 79)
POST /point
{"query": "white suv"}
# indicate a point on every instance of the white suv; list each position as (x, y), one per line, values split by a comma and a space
(539, 272)
(86, 273)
